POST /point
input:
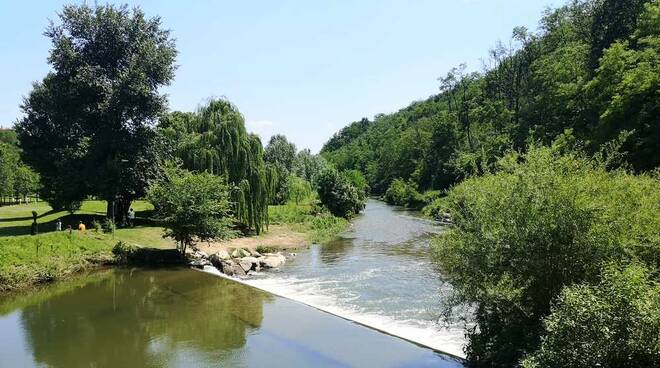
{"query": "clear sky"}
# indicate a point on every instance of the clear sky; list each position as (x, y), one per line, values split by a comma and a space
(301, 68)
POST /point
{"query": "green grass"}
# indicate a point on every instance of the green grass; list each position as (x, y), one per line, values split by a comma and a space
(28, 260)
(319, 226)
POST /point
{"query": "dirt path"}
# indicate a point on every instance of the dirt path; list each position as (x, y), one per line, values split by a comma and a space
(280, 237)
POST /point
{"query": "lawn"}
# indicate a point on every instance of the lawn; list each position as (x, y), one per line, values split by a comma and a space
(27, 260)
(17, 219)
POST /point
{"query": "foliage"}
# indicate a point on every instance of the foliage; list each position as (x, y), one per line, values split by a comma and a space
(88, 125)
(402, 193)
(281, 154)
(309, 166)
(338, 194)
(613, 324)
(191, 206)
(317, 223)
(592, 68)
(214, 140)
(16, 179)
(299, 189)
(357, 179)
(547, 220)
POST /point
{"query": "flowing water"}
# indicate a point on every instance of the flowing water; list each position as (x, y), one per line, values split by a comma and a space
(380, 273)
(186, 318)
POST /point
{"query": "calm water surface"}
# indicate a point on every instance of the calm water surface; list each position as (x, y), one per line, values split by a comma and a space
(186, 318)
(380, 273)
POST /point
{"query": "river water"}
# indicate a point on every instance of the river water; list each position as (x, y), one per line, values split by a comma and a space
(379, 273)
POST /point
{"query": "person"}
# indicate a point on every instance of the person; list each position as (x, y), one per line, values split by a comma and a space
(58, 225)
(81, 227)
(131, 217)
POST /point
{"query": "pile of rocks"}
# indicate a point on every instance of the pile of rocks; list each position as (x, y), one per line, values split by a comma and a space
(240, 262)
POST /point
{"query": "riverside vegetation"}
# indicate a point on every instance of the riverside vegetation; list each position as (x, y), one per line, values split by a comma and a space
(545, 163)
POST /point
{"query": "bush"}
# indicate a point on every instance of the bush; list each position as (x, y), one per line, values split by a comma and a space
(339, 195)
(402, 193)
(191, 206)
(545, 221)
(96, 226)
(123, 251)
(615, 324)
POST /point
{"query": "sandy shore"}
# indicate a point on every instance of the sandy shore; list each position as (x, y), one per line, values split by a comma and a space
(280, 237)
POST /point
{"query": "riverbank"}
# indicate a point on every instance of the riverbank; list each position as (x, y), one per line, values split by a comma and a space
(27, 260)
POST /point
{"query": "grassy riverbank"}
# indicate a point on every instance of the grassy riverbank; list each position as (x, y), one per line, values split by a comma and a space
(318, 226)
(27, 260)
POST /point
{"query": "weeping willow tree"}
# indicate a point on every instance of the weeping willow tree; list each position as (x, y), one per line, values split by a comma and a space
(214, 139)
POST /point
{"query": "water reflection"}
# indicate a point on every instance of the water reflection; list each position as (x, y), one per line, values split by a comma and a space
(142, 319)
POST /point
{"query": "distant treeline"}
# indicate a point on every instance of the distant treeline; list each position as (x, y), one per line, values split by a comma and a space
(592, 68)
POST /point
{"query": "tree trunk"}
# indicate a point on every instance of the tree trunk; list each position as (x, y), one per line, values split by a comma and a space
(117, 209)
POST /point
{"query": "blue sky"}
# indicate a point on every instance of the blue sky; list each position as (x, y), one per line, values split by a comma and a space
(301, 68)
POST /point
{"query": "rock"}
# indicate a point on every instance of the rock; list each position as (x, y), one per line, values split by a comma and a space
(216, 259)
(249, 264)
(293, 254)
(254, 253)
(272, 260)
(227, 268)
(223, 254)
(199, 263)
(240, 253)
(200, 254)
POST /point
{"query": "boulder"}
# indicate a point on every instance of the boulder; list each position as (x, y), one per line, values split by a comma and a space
(199, 263)
(200, 254)
(254, 253)
(240, 253)
(249, 264)
(223, 254)
(217, 259)
(272, 260)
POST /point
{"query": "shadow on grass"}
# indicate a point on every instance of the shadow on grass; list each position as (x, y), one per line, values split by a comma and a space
(11, 219)
(68, 220)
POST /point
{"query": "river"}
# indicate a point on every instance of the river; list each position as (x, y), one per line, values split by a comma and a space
(379, 274)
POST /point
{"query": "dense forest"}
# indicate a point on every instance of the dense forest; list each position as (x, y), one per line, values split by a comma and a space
(592, 68)
(545, 165)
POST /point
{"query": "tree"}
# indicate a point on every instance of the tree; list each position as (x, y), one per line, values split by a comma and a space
(626, 92)
(88, 124)
(214, 139)
(613, 324)
(309, 166)
(8, 162)
(281, 154)
(191, 206)
(338, 194)
(547, 220)
(299, 189)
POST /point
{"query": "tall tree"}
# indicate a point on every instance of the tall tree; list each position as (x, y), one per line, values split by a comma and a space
(214, 140)
(281, 154)
(88, 124)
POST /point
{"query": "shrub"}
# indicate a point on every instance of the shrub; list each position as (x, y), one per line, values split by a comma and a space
(615, 324)
(339, 195)
(96, 226)
(123, 251)
(545, 221)
(191, 206)
(402, 193)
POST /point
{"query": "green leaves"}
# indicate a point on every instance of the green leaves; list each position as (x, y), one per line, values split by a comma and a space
(192, 207)
(88, 124)
(549, 220)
